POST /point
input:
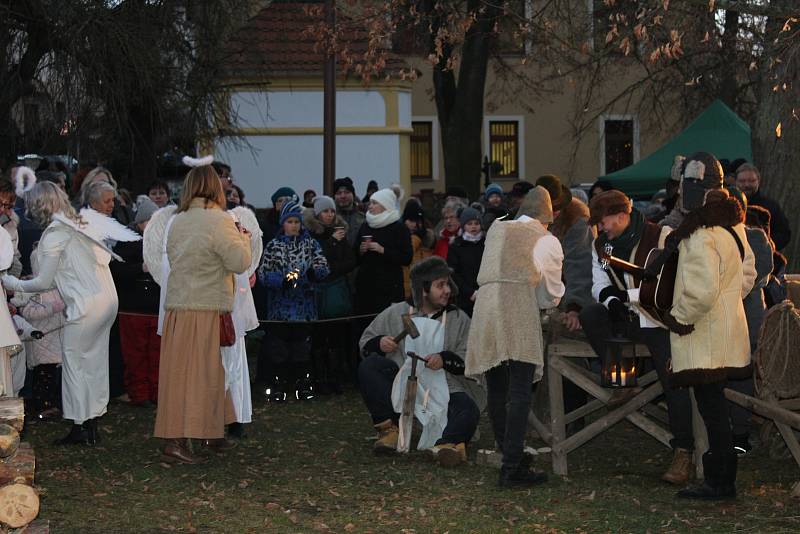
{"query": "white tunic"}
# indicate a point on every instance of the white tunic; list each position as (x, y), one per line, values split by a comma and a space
(78, 267)
(234, 358)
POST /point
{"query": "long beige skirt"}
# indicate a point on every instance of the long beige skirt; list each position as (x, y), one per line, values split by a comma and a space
(191, 380)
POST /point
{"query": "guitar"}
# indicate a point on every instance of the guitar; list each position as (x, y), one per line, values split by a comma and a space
(655, 294)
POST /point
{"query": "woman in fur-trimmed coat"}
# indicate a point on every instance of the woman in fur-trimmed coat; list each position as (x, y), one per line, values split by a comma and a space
(708, 336)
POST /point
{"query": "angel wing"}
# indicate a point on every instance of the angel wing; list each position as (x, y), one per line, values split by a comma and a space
(154, 236)
(102, 227)
(248, 219)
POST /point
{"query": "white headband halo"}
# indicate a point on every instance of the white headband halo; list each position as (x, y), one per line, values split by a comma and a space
(197, 162)
(20, 185)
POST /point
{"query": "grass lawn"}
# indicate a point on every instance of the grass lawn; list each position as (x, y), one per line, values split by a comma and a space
(308, 467)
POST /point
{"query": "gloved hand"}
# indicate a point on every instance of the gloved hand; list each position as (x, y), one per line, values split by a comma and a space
(613, 291)
(618, 311)
(676, 327)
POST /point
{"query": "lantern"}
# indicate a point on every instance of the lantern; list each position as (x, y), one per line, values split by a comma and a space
(619, 364)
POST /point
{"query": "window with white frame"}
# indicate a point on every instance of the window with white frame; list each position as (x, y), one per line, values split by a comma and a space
(422, 150)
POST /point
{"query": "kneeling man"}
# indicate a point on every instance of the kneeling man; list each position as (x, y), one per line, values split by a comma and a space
(442, 343)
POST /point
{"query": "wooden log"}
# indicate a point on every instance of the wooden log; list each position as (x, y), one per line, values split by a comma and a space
(19, 466)
(772, 411)
(541, 429)
(12, 412)
(790, 404)
(574, 348)
(19, 505)
(9, 440)
(790, 439)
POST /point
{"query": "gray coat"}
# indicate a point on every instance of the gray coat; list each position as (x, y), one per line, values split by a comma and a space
(390, 323)
(754, 307)
(577, 268)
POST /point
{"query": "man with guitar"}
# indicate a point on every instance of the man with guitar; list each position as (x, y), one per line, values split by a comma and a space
(624, 242)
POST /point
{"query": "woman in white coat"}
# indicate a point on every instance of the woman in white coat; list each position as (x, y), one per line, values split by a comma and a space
(73, 259)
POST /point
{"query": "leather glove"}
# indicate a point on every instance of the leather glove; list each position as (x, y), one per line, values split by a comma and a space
(615, 292)
(676, 327)
(618, 311)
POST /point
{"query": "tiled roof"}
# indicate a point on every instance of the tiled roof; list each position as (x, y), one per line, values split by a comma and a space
(275, 43)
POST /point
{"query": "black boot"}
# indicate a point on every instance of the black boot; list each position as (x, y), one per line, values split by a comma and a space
(77, 436)
(720, 478)
(92, 432)
(236, 431)
(522, 476)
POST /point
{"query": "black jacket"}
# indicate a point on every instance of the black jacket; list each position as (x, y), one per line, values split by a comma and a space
(340, 255)
(136, 289)
(379, 280)
(464, 257)
(779, 229)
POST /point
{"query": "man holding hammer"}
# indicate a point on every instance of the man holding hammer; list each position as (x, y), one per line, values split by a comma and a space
(436, 330)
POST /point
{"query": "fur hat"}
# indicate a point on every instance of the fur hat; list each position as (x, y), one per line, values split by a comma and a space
(291, 209)
(427, 270)
(560, 195)
(537, 205)
(322, 203)
(345, 182)
(608, 203)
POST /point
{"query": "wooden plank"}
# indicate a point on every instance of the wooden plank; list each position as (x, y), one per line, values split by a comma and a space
(573, 348)
(700, 437)
(541, 429)
(22, 464)
(12, 412)
(607, 421)
(557, 424)
(790, 404)
(790, 439)
(578, 376)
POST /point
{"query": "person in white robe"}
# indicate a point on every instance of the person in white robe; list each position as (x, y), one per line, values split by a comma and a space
(73, 258)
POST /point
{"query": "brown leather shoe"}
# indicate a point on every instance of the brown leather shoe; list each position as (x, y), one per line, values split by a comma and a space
(180, 451)
(219, 445)
(681, 469)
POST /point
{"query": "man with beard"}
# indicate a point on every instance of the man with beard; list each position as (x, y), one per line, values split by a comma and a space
(347, 208)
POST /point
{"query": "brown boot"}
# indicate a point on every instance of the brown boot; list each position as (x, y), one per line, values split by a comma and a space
(450, 454)
(387, 437)
(180, 450)
(219, 445)
(681, 469)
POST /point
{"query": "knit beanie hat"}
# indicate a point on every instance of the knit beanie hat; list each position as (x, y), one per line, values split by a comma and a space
(146, 210)
(469, 214)
(345, 182)
(427, 270)
(284, 192)
(386, 198)
(493, 189)
(537, 205)
(291, 209)
(322, 203)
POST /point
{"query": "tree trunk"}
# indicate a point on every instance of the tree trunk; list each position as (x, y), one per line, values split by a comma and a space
(459, 104)
(777, 155)
(19, 505)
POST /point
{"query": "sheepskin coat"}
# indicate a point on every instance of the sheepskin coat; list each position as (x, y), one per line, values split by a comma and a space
(505, 320)
(712, 279)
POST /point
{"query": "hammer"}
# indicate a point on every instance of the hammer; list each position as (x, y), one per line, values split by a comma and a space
(409, 329)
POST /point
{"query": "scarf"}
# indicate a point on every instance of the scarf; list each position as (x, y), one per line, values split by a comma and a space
(450, 236)
(385, 218)
(472, 238)
(624, 243)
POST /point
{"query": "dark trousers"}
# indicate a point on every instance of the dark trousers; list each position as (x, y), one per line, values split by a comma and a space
(740, 417)
(375, 378)
(509, 401)
(596, 321)
(713, 406)
(285, 353)
(141, 352)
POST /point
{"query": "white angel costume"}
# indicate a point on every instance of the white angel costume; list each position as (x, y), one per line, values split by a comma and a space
(73, 258)
(234, 358)
(10, 344)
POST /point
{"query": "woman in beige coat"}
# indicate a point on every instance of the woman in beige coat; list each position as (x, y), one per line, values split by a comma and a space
(709, 336)
(204, 249)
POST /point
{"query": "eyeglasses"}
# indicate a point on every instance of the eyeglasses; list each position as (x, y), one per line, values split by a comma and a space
(6, 206)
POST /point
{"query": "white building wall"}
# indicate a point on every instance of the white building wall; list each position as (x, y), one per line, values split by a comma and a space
(266, 159)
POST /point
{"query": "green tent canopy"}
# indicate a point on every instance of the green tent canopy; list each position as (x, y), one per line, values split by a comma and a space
(717, 130)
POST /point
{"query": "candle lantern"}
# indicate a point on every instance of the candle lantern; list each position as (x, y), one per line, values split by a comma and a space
(620, 364)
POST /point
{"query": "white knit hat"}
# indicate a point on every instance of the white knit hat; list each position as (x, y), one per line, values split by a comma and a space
(386, 198)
